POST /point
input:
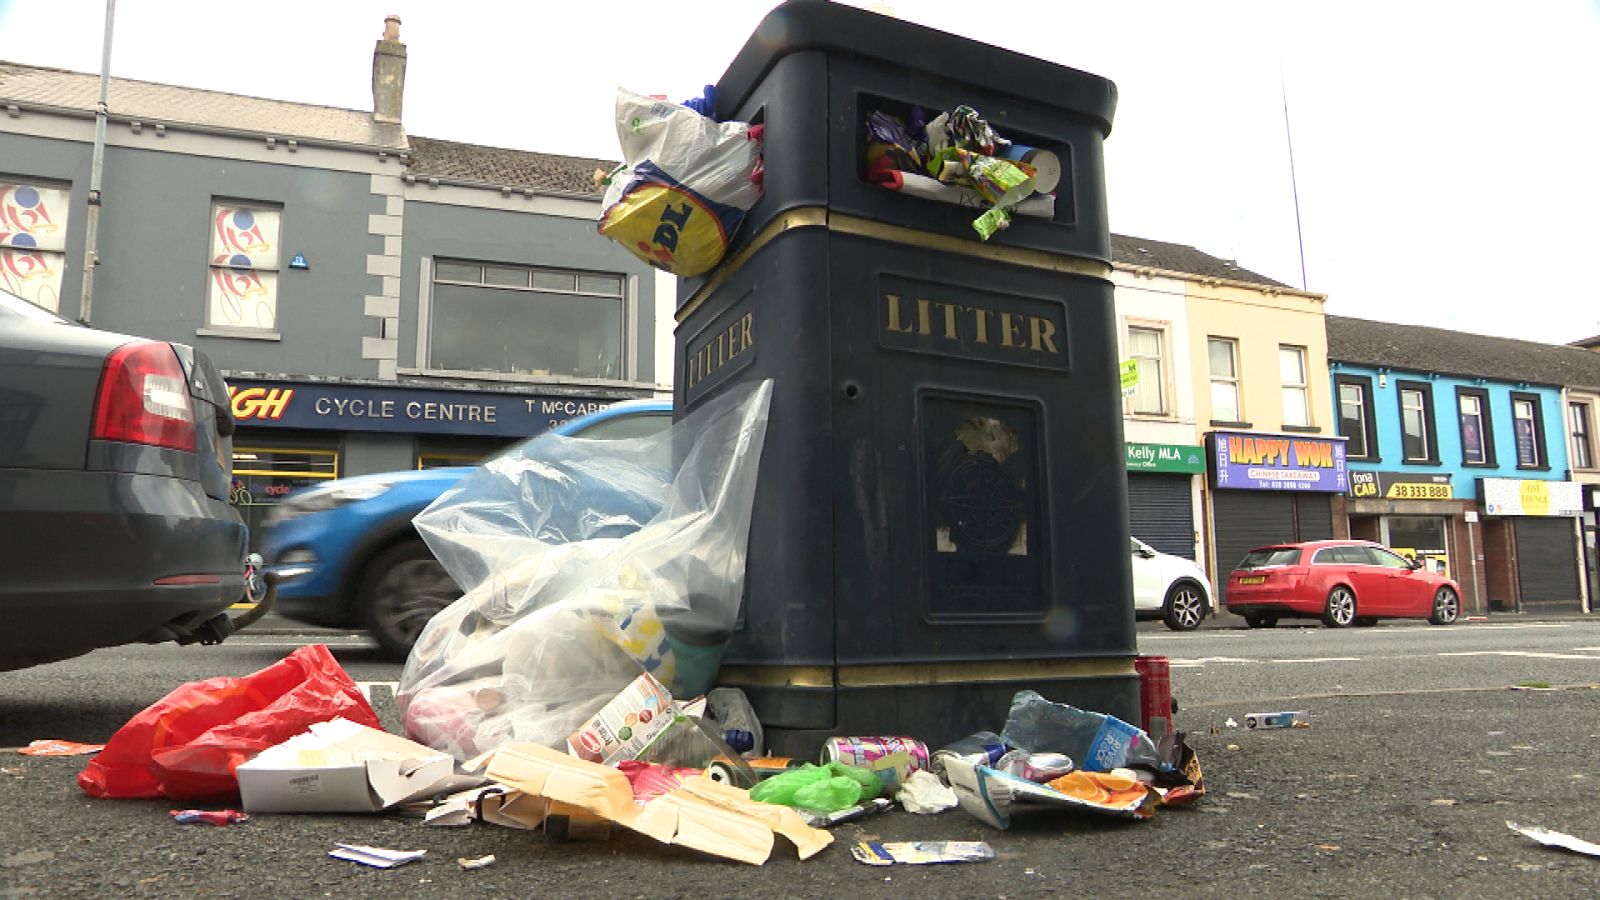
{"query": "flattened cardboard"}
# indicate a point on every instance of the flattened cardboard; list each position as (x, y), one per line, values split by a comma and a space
(706, 816)
(341, 766)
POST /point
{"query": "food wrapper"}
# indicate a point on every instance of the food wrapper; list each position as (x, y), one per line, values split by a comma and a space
(992, 796)
(921, 853)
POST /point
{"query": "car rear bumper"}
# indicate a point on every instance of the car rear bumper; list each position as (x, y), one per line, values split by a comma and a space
(97, 559)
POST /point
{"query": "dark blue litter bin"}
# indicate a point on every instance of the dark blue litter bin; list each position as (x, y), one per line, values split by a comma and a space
(941, 518)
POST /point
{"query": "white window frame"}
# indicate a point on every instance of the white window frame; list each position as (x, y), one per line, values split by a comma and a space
(1367, 450)
(1159, 363)
(1581, 424)
(1229, 382)
(268, 272)
(1517, 405)
(1300, 389)
(1421, 409)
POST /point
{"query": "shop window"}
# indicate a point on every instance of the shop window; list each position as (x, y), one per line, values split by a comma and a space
(1296, 391)
(1355, 417)
(1418, 440)
(33, 240)
(1145, 347)
(243, 292)
(1582, 443)
(520, 320)
(263, 476)
(1528, 431)
(1477, 433)
(1223, 357)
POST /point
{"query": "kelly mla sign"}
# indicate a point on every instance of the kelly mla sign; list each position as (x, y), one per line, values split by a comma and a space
(1528, 497)
(1276, 462)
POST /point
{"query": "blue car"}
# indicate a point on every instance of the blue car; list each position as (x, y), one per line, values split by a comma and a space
(347, 555)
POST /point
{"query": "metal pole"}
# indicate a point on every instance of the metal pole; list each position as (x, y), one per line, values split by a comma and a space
(91, 237)
(1294, 183)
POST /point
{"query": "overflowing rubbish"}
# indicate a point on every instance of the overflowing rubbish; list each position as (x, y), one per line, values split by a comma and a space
(218, 817)
(983, 748)
(860, 810)
(187, 745)
(684, 186)
(699, 814)
(956, 157)
(921, 853)
(1098, 742)
(377, 857)
(992, 796)
(1556, 839)
(584, 562)
(1035, 767)
(893, 759)
(820, 789)
(924, 794)
(1263, 721)
(341, 766)
(734, 715)
(1155, 701)
(52, 747)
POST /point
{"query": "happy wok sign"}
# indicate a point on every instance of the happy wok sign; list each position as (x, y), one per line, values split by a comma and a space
(1270, 462)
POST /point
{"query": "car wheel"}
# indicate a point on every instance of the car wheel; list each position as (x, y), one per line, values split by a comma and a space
(1366, 621)
(1341, 609)
(1185, 607)
(1261, 621)
(1446, 607)
(404, 588)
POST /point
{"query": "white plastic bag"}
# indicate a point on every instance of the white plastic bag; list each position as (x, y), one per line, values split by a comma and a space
(685, 184)
(584, 561)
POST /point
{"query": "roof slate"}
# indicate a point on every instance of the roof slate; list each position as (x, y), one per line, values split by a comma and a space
(1423, 349)
(1137, 251)
(499, 166)
(151, 102)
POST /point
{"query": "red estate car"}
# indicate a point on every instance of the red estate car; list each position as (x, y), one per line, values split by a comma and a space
(1341, 582)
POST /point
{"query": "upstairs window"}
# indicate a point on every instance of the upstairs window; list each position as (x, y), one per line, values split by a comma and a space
(1223, 358)
(243, 294)
(1296, 392)
(1355, 417)
(522, 320)
(1477, 440)
(1417, 436)
(1582, 444)
(1145, 346)
(33, 240)
(1528, 431)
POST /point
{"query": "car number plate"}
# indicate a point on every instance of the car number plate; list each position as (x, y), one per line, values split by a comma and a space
(1253, 579)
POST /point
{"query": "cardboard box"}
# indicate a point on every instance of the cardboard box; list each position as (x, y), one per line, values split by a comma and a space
(340, 767)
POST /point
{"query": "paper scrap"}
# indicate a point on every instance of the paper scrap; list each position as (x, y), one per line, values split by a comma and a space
(51, 747)
(377, 857)
(924, 794)
(920, 853)
(482, 862)
(1556, 839)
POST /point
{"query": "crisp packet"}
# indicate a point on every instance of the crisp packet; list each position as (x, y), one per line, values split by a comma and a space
(921, 853)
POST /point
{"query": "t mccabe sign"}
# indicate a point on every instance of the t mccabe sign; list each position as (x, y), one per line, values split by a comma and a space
(1276, 462)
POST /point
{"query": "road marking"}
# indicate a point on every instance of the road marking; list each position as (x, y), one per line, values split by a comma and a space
(1318, 659)
(1529, 654)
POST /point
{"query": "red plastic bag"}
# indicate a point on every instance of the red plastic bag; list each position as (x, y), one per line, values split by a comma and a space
(187, 744)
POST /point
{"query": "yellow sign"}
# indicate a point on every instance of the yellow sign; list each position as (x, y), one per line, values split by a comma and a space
(1535, 498)
(1416, 491)
(1129, 370)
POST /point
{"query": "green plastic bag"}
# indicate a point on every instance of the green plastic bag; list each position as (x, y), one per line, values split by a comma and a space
(780, 789)
(829, 794)
(827, 788)
(871, 785)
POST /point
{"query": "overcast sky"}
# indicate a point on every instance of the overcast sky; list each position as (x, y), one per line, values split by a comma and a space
(1447, 153)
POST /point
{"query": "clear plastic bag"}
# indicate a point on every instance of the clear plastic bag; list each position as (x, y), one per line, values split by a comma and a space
(584, 561)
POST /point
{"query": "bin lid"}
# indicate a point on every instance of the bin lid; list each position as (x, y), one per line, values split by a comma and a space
(799, 25)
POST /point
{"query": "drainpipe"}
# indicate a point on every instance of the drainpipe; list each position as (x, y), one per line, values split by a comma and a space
(91, 254)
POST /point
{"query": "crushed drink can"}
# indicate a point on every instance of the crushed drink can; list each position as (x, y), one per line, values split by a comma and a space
(981, 749)
(1294, 719)
(893, 759)
(1035, 767)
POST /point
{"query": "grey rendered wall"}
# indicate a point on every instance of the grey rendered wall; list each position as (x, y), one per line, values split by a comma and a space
(155, 231)
(367, 453)
(491, 235)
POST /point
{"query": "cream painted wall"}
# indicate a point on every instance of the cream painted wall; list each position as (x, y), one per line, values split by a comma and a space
(666, 309)
(1260, 320)
(1157, 302)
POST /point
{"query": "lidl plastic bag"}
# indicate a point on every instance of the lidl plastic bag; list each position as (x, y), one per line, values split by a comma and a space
(187, 744)
(685, 184)
(584, 561)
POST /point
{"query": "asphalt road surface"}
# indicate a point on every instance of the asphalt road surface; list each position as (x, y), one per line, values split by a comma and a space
(1419, 750)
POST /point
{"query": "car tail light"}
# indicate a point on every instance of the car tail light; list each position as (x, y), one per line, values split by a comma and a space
(144, 398)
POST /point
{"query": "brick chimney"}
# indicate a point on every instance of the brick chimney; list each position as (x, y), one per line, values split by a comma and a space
(388, 74)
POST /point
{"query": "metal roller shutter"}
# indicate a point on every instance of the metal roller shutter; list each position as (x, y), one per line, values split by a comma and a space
(1161, 512)
(1244, 520)
(1547, 569)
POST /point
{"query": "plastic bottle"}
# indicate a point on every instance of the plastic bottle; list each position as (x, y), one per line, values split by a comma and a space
(1097, 741)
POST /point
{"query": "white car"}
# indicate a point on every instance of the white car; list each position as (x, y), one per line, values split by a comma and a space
(1169, 588)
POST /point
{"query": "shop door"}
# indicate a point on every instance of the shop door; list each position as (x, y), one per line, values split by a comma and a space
(1161, 512)
(1547, 562)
